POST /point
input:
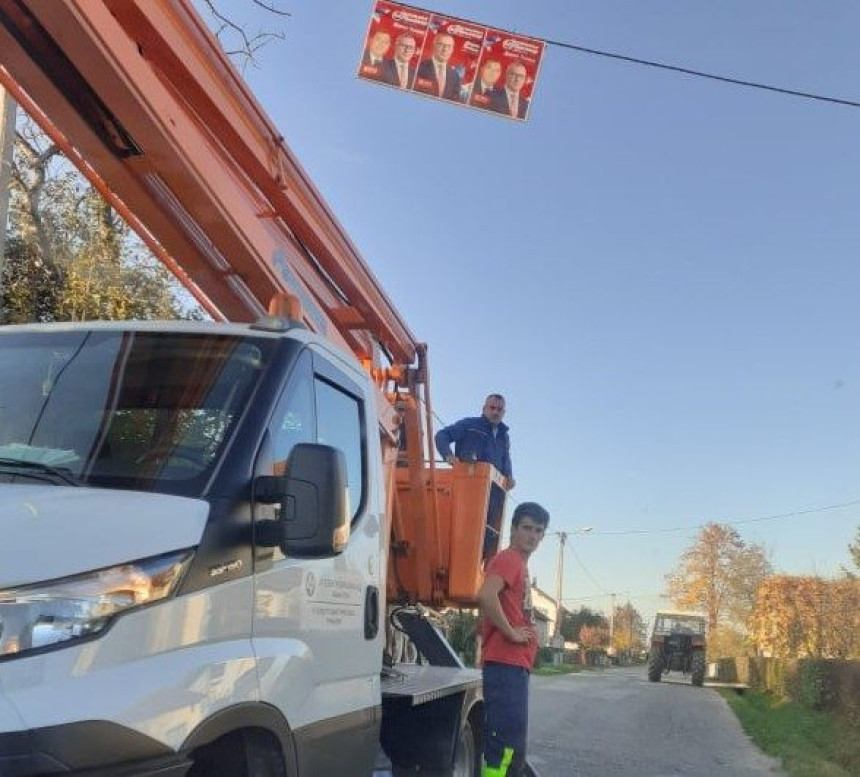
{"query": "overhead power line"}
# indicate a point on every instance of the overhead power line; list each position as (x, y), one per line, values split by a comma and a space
(702, 74)
(684, 70)
(740, 522)
(587, 573)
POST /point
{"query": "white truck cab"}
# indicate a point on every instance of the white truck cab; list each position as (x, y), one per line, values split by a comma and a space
(193, 555)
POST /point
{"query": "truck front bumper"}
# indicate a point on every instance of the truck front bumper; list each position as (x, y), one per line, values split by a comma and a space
(87, 749)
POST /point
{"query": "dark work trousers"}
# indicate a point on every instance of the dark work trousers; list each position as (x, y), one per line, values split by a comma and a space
(506, 701)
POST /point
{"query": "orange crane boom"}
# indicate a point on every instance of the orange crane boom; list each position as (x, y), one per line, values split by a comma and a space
(141, 97)
(145, 95)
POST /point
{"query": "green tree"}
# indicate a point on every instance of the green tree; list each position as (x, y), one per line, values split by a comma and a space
(719, 574)
(572, 622)
(69, 255)
(462, 626)
(30, 286)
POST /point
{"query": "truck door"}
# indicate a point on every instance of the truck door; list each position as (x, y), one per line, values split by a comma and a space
(318, 661)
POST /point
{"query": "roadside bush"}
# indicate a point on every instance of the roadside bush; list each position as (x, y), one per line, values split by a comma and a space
(818, 684)
(462, 631)
(846, 691)
(815, 684)
(544, 656)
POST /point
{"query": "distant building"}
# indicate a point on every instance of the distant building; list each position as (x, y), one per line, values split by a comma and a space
(545, 610)
(543, 626)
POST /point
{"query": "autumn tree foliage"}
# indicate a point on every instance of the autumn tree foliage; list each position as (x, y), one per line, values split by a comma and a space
(593, 639)
(799, 617)
(719, 575)
(628, 629)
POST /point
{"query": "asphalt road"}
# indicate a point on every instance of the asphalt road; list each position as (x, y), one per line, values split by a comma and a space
(614, 723)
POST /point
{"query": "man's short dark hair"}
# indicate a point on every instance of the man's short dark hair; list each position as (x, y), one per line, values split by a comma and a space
(498, 397)
(530, 510)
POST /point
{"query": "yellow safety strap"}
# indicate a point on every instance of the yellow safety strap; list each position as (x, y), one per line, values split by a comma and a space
(502, 769)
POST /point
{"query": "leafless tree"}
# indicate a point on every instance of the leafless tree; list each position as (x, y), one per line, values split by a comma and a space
(240, 43)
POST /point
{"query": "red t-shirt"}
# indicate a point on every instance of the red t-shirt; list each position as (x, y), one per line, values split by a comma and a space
(516, 601)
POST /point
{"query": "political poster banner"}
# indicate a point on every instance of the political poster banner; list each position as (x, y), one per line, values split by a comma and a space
(451, 59)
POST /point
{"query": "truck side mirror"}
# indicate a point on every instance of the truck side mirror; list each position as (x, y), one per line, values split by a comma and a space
(314, 500)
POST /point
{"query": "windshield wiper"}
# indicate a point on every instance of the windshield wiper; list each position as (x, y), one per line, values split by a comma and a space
(35, 469)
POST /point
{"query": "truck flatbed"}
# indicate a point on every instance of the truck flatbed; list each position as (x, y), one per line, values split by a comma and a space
(419, 684)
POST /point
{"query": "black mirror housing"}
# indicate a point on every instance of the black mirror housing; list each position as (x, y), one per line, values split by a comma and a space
(315, 516)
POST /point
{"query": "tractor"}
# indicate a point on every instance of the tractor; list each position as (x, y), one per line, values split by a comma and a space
(678, 644)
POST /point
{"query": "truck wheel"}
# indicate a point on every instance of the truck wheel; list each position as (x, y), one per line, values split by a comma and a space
(466, 762)
(655, 667)
(698, 668)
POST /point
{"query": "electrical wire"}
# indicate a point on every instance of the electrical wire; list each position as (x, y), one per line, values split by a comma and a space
(740, 522)
(702, 74)
(695, 527)
(677, 68)
(587, 572)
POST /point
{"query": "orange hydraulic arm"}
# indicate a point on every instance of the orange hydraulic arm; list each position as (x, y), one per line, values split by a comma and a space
(143, 92)
(141, 97)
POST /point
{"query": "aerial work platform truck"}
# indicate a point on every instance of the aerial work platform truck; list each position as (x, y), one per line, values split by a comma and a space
(218, 539)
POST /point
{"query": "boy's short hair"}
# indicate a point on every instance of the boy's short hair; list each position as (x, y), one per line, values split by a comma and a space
(530, 510)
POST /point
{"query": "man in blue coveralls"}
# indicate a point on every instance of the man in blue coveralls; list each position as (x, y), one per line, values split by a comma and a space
(484, 438)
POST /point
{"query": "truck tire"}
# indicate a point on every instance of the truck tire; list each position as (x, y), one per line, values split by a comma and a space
(655, 667)
(466, 757)
(698, 668)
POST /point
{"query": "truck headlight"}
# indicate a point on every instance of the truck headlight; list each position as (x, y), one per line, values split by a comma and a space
(72, 608)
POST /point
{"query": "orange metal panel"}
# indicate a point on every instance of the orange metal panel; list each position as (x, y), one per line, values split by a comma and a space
(169, 31)
(447, 573)
(471, 495)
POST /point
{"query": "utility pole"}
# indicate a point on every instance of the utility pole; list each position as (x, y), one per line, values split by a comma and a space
(562, 538)
(630, 615)
(8, 111)
(611, 620)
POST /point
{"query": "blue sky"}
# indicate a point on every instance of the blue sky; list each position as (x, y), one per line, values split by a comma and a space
(659, 272)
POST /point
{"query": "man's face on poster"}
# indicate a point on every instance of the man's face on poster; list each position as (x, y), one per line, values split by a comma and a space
(379, 44)
(443, 48)
(490, 72)
(404, 48)
(515, 77)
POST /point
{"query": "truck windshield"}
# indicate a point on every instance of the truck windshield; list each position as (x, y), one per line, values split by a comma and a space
(679, 624)
(138, 410)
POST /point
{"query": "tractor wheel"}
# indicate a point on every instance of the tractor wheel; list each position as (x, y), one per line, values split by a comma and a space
(655, 666)
(698, 668)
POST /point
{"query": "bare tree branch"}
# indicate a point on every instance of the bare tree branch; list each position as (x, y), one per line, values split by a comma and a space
(249, 44)
(271, 8)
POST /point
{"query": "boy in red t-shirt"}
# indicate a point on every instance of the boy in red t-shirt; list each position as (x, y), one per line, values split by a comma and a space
(509, 644)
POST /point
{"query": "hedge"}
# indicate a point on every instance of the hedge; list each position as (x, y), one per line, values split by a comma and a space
(820, 684)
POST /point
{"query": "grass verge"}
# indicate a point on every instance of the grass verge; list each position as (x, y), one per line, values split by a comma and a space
(549, 669)
(810, 743)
